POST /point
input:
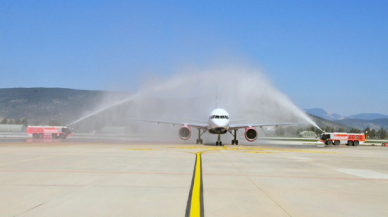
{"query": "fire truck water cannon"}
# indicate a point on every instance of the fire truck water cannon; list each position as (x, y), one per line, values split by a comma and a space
(54, 132)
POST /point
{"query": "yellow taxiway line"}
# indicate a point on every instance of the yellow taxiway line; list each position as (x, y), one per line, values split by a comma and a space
(195, 207)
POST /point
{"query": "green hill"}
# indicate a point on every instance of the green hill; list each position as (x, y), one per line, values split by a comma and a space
(41, 105)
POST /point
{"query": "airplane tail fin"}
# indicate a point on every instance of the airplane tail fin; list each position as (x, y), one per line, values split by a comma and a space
(217, 97)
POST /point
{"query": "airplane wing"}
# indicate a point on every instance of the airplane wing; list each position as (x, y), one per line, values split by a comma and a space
(238, 126)
(234, 121)
(200, 126)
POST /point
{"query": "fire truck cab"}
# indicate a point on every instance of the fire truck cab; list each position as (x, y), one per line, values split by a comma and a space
(54, 132)
(349, 139)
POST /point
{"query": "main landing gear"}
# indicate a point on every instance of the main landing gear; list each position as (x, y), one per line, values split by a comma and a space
(234, 141)
(219, 143)
(199, 140)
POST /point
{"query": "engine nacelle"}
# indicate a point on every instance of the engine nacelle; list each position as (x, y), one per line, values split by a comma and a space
(250, 134)
(185, 132)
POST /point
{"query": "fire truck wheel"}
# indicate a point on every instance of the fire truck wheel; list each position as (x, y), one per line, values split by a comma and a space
(350, 143)
(336, 142)
(329, 142)
(35, 136)
(40, 135)
(356, 143)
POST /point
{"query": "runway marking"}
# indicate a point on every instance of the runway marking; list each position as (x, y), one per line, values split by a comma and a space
(255, 149)
(306, 151)
(139, 149)
(195, 205)
(199, 147)
(282, 150)
(260, 152)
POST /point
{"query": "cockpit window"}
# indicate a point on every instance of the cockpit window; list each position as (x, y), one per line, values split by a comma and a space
(219, 117)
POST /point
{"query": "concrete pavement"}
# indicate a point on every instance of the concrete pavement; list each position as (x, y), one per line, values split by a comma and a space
(89, 179)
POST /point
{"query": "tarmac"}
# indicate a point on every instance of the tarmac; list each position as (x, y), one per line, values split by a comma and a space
(142, 179)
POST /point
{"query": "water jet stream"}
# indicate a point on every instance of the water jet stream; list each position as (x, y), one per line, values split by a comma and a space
(155, 89)
(104, 108)
(245, 93)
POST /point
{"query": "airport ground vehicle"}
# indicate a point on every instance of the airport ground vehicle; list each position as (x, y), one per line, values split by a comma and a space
(350, 139)
(55, 132)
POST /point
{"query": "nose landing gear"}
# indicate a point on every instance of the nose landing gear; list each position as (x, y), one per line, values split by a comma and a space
(219, 143)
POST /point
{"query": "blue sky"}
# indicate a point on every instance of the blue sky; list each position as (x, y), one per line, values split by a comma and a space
(328, 54)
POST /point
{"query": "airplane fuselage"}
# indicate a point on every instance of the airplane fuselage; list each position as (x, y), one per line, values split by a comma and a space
(218, 122)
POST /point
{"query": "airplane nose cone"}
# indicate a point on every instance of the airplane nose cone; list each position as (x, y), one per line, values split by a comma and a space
(221, 123)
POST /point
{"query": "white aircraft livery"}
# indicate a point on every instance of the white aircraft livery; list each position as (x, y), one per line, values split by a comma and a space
(218, 123)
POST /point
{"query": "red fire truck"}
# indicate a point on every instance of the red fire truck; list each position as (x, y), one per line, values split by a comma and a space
(55, 132)
(350, 139)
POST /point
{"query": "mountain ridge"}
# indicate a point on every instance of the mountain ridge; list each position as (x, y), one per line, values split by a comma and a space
(360, 121)
(41, 105)
(334, 116)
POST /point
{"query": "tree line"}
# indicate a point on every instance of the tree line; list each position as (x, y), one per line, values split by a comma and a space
(376, 134)
(22, 121)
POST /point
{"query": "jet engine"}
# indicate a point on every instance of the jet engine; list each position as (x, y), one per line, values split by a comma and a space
(250, 134)
(185, 132)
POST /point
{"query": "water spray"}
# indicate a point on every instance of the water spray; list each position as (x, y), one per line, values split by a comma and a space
(128, 99)
(103, 109)
(245, 93)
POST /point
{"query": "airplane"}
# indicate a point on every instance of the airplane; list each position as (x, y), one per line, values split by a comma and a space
(218, 123)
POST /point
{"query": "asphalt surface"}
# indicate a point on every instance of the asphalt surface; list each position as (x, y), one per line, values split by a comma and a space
(77, 178)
